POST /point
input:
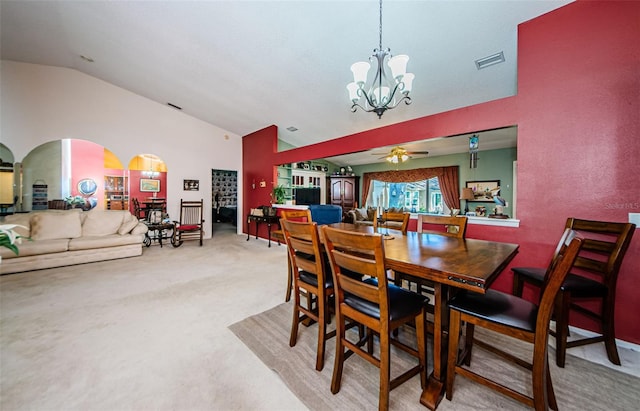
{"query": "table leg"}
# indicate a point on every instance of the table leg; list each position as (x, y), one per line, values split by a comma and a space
(248, 228)
(434, 391)
(269, 233)
(257, 226)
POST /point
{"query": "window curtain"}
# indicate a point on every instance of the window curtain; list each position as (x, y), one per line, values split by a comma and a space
(447, 177)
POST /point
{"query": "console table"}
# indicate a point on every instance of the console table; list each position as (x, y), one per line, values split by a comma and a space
(269, 220)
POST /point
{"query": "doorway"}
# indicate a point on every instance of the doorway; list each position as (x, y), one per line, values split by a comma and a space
(224, 199)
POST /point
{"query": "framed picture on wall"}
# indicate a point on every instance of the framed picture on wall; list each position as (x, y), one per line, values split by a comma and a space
(148, 185)
(191, 185)
(484, 190)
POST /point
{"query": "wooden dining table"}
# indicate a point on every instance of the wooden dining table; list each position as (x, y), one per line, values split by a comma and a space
(451, 264)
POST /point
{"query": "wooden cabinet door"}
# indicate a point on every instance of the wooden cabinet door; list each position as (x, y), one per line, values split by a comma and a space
(335, 191)
(348, 193)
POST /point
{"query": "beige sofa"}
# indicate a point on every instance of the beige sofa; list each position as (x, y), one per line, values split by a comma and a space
(365, 216)
(66, 237)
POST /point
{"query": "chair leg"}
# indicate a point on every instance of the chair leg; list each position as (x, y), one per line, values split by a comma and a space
(322, 332)
(287, 296)
(421, 337)
(551, 395)
(336, 379)
(608, 329)
(296, 319)
(539, 375)
(562, 304)
(452, 356)
(385, 372)
(518, 285)
(468, 343)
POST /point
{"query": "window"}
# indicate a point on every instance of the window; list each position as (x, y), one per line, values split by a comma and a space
(418, 197)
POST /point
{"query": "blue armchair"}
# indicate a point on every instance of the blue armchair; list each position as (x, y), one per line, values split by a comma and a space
(326, 213)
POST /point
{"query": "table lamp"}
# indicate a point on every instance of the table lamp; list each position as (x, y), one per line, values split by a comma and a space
(466, 194)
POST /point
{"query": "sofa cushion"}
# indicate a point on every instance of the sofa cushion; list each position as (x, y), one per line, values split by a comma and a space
(103, 241)
(102, 222)
(23, 219)
(129, 223)
(27, 248)
(361, 214)
(48, 226)
(371, 213)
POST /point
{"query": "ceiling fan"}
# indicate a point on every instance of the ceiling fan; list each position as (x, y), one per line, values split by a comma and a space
(400, 155)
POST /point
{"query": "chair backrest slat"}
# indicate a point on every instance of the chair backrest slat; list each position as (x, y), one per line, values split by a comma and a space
(453, 226)
(357, 253)
(605, 244)
(303, 240)
(560, 267)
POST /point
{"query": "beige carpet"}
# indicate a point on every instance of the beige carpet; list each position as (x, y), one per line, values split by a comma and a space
(580, 386)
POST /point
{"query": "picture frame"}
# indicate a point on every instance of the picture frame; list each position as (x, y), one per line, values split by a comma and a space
(191, 185)
(484, 190)
(148, 185)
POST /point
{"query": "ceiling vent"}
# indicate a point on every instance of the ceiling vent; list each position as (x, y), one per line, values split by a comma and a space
(490, 60)
(174, 106)
(292, 129)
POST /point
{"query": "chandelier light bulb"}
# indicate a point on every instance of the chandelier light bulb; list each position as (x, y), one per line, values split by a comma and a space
(360, 71)
(398, 66)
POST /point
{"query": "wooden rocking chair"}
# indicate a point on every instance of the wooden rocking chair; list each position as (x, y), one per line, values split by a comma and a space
(190, 226)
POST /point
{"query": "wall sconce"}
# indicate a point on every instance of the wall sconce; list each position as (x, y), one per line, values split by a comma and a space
(466, 194)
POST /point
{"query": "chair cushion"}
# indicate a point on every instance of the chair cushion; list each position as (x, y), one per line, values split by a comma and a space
(497, 307)
(189, 227)
(312, 279)
(325, 213)
(577, 285)
(402, 303)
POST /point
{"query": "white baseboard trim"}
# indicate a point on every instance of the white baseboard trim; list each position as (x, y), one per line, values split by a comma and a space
(620, 343)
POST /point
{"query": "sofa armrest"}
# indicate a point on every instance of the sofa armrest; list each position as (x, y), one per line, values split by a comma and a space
(140, 228)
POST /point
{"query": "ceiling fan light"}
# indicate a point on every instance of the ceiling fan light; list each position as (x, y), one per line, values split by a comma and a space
(360, 71)
(398, 66)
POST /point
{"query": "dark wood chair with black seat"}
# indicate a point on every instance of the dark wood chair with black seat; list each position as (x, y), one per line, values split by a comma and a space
(137, 210)
(514, 317)
(593, 276)
(191, 224)
(278, 235)
(374, 303)
(311, 276)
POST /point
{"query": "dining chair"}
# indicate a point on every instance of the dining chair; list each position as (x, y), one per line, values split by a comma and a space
(454, 226)
(278, 235)
(137, 211)
(403, 218)
(593, 277)
(191, 223)
(374, 303)
(514, 317)
(451, 226)
(312, 277)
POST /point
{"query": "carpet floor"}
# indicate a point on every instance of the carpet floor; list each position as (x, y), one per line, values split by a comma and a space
(580, 386)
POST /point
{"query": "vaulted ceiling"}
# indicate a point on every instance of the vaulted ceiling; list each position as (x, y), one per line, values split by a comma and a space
(244, 65)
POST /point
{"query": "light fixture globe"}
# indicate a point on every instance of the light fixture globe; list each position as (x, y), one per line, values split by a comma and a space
(386, 91)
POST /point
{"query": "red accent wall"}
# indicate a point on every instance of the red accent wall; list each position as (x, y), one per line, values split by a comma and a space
(87, 161)
(577, 112)
(258, 163)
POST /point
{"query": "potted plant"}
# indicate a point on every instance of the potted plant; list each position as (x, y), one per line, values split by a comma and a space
(279, 193)
(9, 238)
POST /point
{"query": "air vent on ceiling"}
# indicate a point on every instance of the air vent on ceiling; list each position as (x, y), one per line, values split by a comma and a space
(490, 60)
(174, 106)
(292, 129)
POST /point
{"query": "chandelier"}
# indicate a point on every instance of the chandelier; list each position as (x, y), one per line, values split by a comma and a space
(397, 155)
(384, 92)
